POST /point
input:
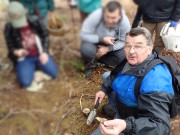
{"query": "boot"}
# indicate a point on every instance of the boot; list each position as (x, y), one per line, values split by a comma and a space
(89, 68)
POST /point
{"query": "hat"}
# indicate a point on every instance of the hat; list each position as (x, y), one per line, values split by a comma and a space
(17, 14)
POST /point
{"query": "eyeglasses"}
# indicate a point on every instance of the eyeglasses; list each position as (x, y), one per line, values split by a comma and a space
(135, 48)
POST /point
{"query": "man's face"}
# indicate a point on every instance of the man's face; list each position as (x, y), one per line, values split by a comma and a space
(136, 49)
(111, 18)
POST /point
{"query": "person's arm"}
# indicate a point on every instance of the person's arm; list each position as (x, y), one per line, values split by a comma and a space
(153, 116)
(106, 87)
(8, 37)
(89, 26)
(176, 12)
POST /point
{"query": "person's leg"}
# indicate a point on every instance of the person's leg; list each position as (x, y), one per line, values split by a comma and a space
(105, 75)
(50, 68)
(137, 18)
(97, 132)
(45, 20)
(150, 26)
(88, 53)
(112, 58)
(25, 71)
(158, 40)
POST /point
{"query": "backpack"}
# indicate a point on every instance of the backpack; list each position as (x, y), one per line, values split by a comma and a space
(174, 69)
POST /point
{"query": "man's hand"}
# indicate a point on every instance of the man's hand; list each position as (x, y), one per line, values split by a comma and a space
(112, 127)
(43, 58)
(100, 95)
(109, 40)
(20, 52)
(102, 50)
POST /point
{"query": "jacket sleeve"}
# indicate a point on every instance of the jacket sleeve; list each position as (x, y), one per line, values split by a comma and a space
(8, 37)
(153, 115)
(176, 12)
(89, 26)
(106, 86)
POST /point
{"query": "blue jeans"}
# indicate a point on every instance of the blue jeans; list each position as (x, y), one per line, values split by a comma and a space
(25, 69)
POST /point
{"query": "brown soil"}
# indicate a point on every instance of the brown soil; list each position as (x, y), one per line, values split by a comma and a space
(56, 109)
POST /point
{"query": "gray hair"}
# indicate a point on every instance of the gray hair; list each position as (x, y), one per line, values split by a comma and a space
(141, 31)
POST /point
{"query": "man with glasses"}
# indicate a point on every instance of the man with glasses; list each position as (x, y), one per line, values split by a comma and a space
(147, 113)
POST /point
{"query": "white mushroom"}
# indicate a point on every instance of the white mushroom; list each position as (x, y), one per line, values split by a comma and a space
(101, 120)
(86, 111)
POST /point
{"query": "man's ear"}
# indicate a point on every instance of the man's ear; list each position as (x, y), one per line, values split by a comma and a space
(150, 47)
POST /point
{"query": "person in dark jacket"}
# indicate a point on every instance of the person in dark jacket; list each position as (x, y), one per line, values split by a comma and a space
(27, 41)
(148, 114)
(156, 13)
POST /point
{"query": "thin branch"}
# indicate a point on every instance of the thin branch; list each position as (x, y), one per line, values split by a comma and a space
(61, 118)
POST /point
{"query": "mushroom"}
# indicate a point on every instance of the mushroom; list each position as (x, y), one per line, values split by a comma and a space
(86, 111)
(101, 120)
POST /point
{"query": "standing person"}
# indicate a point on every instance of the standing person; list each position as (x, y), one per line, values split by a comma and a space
(88, 6)
(39, 8)
(27, 41)
(103, 36)
(155, 14)
(137, 18)
(149, 112)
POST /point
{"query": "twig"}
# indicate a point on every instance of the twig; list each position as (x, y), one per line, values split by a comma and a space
(56, 110)
(19, 111)
(61, 118)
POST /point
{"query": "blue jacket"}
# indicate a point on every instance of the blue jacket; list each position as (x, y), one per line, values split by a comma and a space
(150, 113)
(158, 79)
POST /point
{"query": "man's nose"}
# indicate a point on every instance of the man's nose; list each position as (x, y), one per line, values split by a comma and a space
(132, 50)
